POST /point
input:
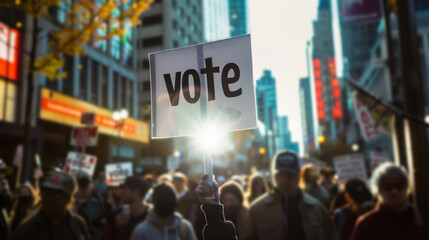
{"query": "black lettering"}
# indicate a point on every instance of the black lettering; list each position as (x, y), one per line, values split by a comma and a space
(185, 86)
(173, 91)
(210, 70)
(226, 81)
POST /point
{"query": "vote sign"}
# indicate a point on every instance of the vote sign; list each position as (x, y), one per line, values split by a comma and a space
(116, 173)
(84, 136)
(76, 161)
(211, 82)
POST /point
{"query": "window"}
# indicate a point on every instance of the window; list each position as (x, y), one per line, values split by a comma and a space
(115, 91)
(152, 20)
(104, 87)
(124, 93)
(94, 82)
(7, 101)
(152, 42)
(68, 81)
(83, 74)
(130, 104)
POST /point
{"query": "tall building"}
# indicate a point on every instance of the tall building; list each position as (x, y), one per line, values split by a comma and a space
(216, 20)
(326, 84)
(166, 25)
(307, 120)
(238, 15)
(284, 136)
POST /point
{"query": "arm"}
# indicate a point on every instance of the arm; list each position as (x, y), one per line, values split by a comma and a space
(330, 229)
(216, 227)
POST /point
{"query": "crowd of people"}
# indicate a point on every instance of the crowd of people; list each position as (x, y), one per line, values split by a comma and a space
(295, 202)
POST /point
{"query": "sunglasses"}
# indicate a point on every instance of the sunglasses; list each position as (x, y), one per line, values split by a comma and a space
(398, 186)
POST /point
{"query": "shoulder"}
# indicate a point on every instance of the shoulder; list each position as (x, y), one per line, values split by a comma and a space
(259, 202)
(31, 227)
(140, 228)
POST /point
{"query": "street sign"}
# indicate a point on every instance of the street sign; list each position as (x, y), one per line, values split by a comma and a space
(84, 136)
(196, 85)
(350, 166)
(116, 173)
(76, 161)
(87, 118)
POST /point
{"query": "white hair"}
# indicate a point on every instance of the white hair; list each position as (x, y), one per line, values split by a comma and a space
(384, 170)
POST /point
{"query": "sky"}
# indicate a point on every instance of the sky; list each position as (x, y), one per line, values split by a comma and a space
(279, 31)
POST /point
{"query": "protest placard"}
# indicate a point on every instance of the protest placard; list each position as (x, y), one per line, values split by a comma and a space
(350, 166)
(76, 161)
(116, 173)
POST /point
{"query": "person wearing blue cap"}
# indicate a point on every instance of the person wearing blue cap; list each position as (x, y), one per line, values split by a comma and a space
(287, 212)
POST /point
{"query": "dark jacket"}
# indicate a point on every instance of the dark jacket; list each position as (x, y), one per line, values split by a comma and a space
(383, 223)
(268, 222)
(217, 228)
(5, 202)
(40, 227)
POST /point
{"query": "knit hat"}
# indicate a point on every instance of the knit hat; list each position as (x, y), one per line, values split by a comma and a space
(60, 181)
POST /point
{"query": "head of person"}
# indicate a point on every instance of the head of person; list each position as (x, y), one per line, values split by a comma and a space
(285, 170)
(135, 189)
(327, 173)
(57, 192)
(164, 199)
(391, 184)
(26, 195)
(101, 176)
(165, 178)
(4, 169)
(231, 195)
(180, 181)
(83, 180)
(309, 174)
(257, 186)
(357, 192)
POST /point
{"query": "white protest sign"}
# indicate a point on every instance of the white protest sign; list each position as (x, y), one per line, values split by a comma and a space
(194, 86)
(350, 166)
(364, 118)
(116, 173)
(377, 158)
(319, 165)
(17, 160)
(76, 161)
(84, 136)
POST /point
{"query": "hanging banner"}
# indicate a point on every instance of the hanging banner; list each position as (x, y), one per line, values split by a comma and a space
(364, 118)
(350, 166)
(76, 161)
(202, 85)
(116, 173)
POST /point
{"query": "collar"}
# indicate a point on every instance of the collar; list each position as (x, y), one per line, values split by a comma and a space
(274, 195)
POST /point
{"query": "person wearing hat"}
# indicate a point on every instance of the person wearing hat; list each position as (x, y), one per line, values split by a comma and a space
(54, 220)
(286, 212)
(5, 200)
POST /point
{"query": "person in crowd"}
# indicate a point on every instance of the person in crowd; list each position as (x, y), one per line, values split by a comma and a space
(90, 205)
(115, 198)
(100, 185)
(54, 220)
(236, 210)
(337, 203)
(393, 217)
(359, 201)
(189, 207)
(216, 228)
(256, 187)
(287, 212)
(180, 182)
(328, 182)
(163, 222)
(25, 203)
(312, 187)
(5, 200)
(123, 221)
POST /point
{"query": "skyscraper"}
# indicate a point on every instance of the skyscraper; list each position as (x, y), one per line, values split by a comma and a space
(238, 17)
(308, 133)
(216, 20)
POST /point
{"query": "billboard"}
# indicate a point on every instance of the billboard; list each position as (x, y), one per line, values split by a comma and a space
(63, 109)
(352, 11)
(9, 52)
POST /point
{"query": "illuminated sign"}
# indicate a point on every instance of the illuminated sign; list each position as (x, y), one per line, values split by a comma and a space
(318, 84)
(335, 89)
(9, 52)
(59, 108)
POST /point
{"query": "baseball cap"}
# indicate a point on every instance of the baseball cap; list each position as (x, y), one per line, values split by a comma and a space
(286, 162)
(61, 181)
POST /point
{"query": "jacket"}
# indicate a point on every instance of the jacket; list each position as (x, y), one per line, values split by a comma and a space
(40, 227)
(217, 228)
(154, 229)
(267, 220)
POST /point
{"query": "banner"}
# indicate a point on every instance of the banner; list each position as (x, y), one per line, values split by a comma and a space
(76, 161)
(350, 166)
(364, 118)
(116, 173)
(202, 85)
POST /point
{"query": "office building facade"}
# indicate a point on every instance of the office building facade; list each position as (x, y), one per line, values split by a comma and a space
(238, 17)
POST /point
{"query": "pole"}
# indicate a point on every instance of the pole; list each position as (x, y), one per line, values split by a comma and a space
(416, 138)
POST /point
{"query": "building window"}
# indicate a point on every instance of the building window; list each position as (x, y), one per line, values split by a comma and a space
(83, 73)
(68, 81)
(130, 98)
(152, 20)
(7, 101)
(104, 88)
(116, 84)
(124, 93)
(152, 42)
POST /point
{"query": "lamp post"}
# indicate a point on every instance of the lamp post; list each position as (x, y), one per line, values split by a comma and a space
(119, 117)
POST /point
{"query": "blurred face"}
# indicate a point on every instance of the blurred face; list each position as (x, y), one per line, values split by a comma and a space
(129, 195)
(287, 183)
(179, 186)
(231, 204)
(393, 190)
(54, 202)
(313, 174)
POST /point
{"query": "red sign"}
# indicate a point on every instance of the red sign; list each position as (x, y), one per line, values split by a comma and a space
(364, 117)
(335, 88)
(87, 118)
(318, 84)
(9, 52)
(84, 136)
